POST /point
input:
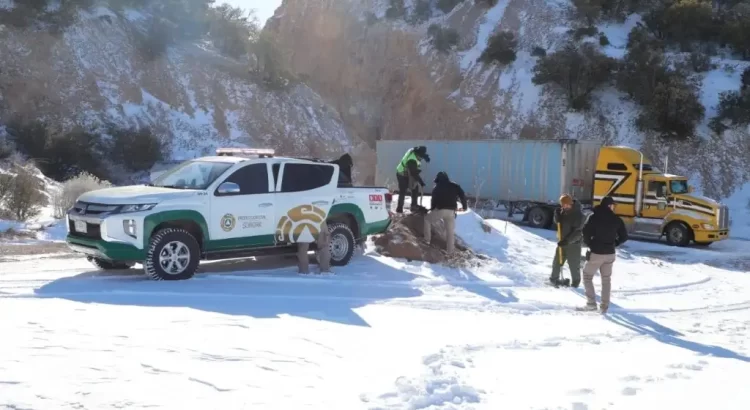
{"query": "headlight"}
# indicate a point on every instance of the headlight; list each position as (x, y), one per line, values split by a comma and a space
(136, 208)
(709, 227)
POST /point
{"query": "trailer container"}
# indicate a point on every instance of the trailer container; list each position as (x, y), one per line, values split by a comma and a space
(513, 172)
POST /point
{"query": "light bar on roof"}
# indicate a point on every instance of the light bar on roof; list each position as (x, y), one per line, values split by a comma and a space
(245, 151)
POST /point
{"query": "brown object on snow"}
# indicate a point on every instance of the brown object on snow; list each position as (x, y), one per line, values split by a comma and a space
(405, 239)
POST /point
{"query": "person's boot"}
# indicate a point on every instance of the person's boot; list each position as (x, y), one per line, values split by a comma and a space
(554, 282)
(603, 308)
(587, 308)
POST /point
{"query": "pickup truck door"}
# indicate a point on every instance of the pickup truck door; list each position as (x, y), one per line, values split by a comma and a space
(304, 196)
(242, 209)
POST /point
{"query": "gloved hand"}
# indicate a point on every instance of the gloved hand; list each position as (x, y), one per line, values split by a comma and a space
(421, 183)
(426, 157)
(558, 212)
(562, 243)
(588, 255)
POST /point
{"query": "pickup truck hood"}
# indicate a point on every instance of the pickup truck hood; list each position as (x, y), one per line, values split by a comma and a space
(133, 195)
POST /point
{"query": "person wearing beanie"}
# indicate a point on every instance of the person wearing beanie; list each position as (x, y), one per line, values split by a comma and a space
(603, 232)
(443, 204)
(569, 218)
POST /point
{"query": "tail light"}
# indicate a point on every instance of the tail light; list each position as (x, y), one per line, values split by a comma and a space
(388, 202)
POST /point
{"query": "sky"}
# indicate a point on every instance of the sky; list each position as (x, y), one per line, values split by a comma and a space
(263, 8)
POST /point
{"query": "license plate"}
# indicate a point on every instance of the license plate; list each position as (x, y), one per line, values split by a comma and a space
(80, 226)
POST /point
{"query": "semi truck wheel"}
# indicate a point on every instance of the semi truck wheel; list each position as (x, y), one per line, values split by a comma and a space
(703, 244)
(540, 217)
(104, 264)
(677, 234)
(342, 244)
(172, 254)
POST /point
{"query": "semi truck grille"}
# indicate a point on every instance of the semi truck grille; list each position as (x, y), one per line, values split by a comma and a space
(723, 217)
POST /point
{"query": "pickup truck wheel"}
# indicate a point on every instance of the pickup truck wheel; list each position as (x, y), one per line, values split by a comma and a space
(172, 254)
(342, 244)
(104, 264)
(677, 234)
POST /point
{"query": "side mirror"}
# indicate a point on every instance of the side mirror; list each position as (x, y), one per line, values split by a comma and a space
(228, 188)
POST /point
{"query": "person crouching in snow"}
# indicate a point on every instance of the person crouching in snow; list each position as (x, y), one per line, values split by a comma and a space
(445, 195)
(570, 220)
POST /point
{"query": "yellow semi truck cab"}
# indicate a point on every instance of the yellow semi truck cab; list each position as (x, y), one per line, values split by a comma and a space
(655, 204)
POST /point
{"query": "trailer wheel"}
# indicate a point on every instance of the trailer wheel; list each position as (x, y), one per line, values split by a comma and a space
(678, 234)
(540, 217)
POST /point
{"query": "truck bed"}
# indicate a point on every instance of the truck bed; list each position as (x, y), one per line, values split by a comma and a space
(505, 170)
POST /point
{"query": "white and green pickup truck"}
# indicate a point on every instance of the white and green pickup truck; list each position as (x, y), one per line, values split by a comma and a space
(242, 202)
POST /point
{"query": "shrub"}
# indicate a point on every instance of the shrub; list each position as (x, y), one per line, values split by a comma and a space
(73, 188)
(6, 183)
(58, 156)
(588, 10)
(486, 3)
(422, 12)
(582, 32)
(603, 40)
(137, 149)
(699, 62)
(682, 21)
(576, 69)
(501, 48)
(25, 199)
(735, 29)
(232, 30)
(537, 51)
(446, 6)
(674, 108)
(643, 66)
(6, 148)
(396, 10)
(442, 39)
(157, 38)
(745, 78)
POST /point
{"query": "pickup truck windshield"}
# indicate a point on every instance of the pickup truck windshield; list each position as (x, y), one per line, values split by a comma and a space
(678, 187)
(192, 175)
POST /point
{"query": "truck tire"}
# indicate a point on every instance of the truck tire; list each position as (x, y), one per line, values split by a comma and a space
(703, 244)
(104, 264)
(540, 217)
(677, 234)
(342, 244)
(172, 254)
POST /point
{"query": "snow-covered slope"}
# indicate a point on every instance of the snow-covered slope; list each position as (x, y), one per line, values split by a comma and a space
(381, 333)
(388, 82)
(95, 73)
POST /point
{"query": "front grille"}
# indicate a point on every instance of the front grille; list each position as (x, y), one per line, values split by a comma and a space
(93, 231)
(723, 217)
(85, 208)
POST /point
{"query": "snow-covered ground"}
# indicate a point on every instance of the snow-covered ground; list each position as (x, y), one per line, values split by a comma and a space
(381, 333)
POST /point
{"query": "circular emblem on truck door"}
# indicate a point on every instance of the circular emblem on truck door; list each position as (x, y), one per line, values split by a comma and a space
(228, 222)
(300, 224)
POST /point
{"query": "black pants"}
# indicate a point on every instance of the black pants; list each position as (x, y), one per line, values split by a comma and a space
(403, 186)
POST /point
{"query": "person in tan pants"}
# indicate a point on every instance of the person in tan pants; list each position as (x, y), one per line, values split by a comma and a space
(603, 232)
(443, 204)
(323, 253)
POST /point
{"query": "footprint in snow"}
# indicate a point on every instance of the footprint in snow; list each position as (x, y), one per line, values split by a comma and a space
(629, 391)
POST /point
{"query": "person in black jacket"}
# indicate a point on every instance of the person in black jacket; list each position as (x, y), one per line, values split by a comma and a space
(445, 196)
(408, 176)
(603, 232)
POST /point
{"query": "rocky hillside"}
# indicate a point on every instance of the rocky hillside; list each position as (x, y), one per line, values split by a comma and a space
(99, 65)
(397, 69)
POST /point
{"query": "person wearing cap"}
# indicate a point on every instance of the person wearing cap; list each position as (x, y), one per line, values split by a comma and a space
(603, 232)
(443, 204)
(407, 175)
(569, 219)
